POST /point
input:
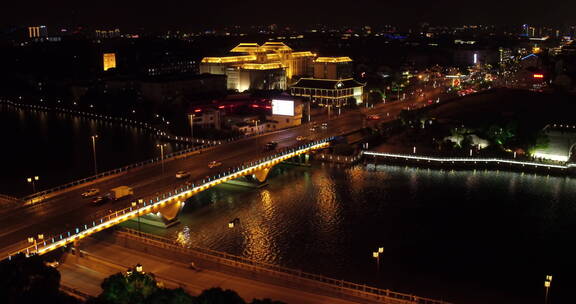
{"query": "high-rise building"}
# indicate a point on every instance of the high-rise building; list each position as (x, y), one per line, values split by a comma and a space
(109, 60)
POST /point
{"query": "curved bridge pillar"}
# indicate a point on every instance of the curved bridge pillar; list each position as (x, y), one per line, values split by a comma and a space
(262, 174)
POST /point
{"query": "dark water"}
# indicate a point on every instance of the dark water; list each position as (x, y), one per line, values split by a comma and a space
(58, 148)
(464, 236)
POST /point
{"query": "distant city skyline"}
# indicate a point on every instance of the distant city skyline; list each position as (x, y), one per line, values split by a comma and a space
(195, 15)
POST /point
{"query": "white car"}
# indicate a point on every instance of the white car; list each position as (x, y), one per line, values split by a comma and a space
(53, 264)
(214, 164)
(90, 192)
(324, 125)
(182, 174)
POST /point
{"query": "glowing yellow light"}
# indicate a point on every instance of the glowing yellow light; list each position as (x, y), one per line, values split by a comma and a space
(109, 61)
(333, 59)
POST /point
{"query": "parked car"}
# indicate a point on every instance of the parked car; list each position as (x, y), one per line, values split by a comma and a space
(182, 174)
(214, 164)
(90, 192)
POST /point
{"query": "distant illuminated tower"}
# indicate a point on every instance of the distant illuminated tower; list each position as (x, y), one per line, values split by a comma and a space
(109, 60)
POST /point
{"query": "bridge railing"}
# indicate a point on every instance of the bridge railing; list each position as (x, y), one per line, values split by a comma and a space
(468, 160)
(235, 261)
(35, 246)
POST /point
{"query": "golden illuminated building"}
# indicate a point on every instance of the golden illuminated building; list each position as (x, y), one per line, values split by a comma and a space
(109, 61)
(332, 67)
(272, 66)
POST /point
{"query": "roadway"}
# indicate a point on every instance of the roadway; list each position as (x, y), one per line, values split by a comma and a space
(67, 211)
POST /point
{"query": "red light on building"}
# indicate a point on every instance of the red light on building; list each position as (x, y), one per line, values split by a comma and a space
(255, 106)
(539, 76)
(197, 110)
(268, 107)
(221, 107)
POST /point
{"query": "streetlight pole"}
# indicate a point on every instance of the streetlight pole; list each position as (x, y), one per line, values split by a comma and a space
(376, 255)
(33, 240)
(547, 284)
(192, 125)
(32, 180)
(94, 152)
(162, 154)
(134, 204)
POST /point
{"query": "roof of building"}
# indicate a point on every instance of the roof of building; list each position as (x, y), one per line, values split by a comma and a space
(246, 48)
(332, 84)
(229, 59)
(333, 59)
(263, 66)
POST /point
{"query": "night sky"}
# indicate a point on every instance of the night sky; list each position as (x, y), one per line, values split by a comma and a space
(193, 14)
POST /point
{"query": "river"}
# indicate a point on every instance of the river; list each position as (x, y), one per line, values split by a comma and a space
(57, 148)
(461, 236)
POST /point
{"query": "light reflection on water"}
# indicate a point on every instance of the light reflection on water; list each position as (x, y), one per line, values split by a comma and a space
(446, 233)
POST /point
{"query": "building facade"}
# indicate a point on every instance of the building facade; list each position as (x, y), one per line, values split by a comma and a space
(333, 68)
(268, 66)
(329, 92)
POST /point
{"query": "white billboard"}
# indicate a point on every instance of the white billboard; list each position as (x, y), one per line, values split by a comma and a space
(283, 107)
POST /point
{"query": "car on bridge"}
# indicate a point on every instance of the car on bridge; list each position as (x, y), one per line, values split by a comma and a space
(90, 192)
(182, 174)
(373, 117)
(100, 200)
(214, 164)
(324, 125)
(271, 145)
(300, 138)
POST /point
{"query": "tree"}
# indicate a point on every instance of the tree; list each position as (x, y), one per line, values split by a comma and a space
(169, 296)
(133, 287)
(29, 280)
(265, 301)
(217, 295)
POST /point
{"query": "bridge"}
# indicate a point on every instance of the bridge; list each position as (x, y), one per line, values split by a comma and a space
(66, 217)
(168, 204)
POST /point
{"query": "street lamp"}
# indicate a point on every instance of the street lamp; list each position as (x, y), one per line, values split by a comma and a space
(547, 284)
(94, 152)
(32, 180)
(162, 154)
(376, 255)
(192, 125)
(256, 122)
(33, 240)
(134, 204)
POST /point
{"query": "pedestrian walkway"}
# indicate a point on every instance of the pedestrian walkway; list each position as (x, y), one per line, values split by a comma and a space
(103, 259)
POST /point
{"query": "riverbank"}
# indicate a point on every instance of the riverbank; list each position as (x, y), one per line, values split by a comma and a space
(466, 163)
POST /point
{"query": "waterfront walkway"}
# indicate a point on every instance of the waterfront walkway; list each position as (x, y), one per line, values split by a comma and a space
(101, 260)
